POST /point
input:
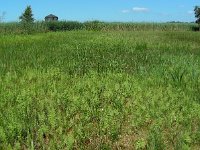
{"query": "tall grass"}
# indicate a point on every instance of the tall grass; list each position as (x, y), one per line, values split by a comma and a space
(37, 27)
(17, 28)
(100, 90)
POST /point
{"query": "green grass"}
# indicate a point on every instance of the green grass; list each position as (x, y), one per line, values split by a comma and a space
(100, 90)
(42, 27)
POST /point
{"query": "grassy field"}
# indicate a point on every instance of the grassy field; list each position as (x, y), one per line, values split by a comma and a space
(39, 27)
(100, 90)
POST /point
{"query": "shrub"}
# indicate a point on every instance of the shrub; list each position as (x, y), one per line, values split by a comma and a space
(195, 28)
(94, 25)
(64, 26)
(26, 20)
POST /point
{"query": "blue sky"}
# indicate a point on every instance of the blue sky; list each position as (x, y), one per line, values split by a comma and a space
(104, 10)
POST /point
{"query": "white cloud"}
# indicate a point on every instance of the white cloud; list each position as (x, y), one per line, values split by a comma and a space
(140, 9)
(136, 10)
(125, 11)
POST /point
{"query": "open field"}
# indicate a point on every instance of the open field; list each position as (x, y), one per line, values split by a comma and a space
(100, 90)
(38, 27)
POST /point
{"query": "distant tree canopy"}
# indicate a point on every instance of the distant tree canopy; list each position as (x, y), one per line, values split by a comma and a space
(197, 13)
(27, 16)
(27, 20)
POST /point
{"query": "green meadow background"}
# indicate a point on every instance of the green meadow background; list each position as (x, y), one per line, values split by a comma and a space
(130, 86)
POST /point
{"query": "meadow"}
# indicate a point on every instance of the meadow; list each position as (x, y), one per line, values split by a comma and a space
(43, 27)
(100, 90)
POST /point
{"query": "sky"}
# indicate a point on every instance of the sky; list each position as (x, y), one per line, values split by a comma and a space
(103, 10)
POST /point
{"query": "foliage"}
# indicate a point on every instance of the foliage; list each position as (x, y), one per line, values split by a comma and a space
(64, 26)
(95, 25)
(100, 90)
(197, 14)
(39, 27)
(27, 20)
(27, 16)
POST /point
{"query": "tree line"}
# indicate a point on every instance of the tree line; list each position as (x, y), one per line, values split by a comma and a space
(27, 19)
(27, 16)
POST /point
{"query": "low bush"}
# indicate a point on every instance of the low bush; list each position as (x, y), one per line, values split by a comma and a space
(64, 25)
(195, 28)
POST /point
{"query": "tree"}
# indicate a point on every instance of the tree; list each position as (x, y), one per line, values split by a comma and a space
(197, 14)
(27, 20)
(27, 16)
